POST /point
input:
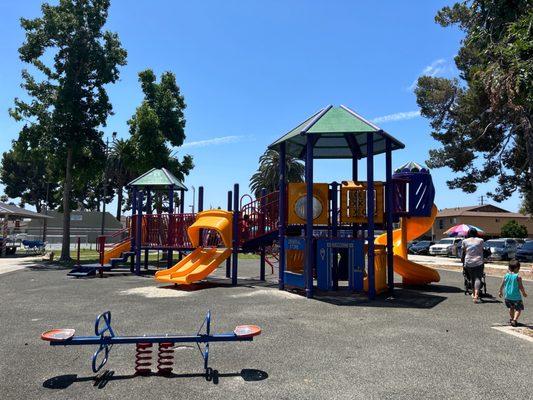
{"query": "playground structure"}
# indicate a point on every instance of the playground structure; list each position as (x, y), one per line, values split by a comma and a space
(323, 230)
(105, 338)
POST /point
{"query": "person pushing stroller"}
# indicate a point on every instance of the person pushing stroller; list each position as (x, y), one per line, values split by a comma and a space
(472, 258)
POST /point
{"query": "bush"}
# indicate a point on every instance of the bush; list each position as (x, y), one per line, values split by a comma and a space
(514, 230)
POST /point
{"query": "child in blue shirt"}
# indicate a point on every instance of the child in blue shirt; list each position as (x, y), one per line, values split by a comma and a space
(512, 286)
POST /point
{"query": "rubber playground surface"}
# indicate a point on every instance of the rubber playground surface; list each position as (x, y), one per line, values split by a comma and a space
(429, 343)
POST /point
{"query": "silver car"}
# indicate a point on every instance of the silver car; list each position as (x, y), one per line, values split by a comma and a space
(448, 247)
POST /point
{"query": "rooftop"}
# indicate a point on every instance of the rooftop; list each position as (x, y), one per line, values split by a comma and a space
(158, 179)
(12, 211)
(339, 133)
(485, 210)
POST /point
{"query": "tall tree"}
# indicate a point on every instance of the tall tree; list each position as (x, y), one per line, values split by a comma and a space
(122, 168)
(267, 175)
(484, 119)
(76, 58)
(158, 125)
(26, 171)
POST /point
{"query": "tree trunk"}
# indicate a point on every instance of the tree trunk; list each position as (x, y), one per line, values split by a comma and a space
(65, 247)
(119, 205)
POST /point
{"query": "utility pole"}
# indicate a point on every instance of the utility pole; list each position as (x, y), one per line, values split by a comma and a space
(45, 222)
(193, 197)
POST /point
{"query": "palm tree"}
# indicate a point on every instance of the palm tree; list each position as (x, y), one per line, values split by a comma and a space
(122, 168)
(267, 175)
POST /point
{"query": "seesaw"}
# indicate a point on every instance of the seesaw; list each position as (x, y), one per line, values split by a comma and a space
(105, 338)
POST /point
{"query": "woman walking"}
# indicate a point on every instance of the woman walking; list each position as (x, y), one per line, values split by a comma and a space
(472, 258)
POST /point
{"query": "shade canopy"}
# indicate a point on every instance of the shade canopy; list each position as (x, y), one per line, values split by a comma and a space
(158, 179)
(338, 132)
(12, 211)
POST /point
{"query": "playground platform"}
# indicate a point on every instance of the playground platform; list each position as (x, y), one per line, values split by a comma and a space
(416, 346)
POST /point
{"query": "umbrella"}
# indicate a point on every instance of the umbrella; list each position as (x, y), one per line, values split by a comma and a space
(462, 230)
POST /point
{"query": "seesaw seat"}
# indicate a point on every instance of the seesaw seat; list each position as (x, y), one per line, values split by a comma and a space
(58, 335)
(247, 331)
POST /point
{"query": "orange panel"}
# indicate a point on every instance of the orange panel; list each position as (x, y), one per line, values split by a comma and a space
(353, 205)
(297, 195)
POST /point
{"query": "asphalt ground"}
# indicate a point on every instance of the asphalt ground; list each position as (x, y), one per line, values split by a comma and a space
(432, 342)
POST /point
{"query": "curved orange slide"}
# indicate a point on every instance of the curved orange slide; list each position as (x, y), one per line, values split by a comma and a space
(411, 228)
(203, 260)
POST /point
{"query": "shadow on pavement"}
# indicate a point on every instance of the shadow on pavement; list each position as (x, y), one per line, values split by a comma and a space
(100, 381)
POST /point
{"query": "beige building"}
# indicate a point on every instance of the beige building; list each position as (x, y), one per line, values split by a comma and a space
(487, 217)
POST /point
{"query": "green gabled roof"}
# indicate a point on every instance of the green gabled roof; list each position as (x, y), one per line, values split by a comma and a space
(341, 134)
(158, 178)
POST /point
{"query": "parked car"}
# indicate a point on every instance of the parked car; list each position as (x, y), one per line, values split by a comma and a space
(520, 242)
(525, 253)
(449, 247)
(501, 249)
(421, 247)
(411, 244)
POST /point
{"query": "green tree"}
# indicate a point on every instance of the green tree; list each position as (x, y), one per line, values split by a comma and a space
(513, 229)
(158, 125)
(75, 59)
(483, 120)
(26, 171)
(267, 174)
(122, 169)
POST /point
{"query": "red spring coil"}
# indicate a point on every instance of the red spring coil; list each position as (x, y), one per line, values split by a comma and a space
(165, 358)
(143, 358)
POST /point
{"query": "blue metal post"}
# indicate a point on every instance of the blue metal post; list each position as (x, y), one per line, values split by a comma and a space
(388, 206)
(148, 210)
(133, 217)
(170, 229)
(133, 223)
(355, 178)
(138, 234)
(228, 260)
(370, 207)
(235, 260)
(148, 200)
(334, 233)
(282, 215)
(262, 231)
(182, 210)
(182, 201)
(308, 271)
(200, 198)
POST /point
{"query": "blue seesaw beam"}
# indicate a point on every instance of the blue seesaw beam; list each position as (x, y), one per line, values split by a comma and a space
(105, 337)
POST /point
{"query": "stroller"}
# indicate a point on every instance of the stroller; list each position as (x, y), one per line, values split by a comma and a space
(469, 284)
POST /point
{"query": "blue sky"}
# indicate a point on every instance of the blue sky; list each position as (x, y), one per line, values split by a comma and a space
(252, 70)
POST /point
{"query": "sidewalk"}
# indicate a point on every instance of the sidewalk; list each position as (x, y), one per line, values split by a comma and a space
(454, 264)
(14, 263)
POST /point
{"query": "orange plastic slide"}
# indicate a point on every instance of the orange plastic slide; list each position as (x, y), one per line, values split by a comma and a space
(195, 267)
(203, 260)
(117, 250)
(411, 228)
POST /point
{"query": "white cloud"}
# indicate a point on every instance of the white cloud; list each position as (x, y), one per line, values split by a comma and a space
(436, 68)
(214, 141)
(400, 116)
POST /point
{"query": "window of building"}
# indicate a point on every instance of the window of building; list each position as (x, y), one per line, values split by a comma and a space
(441, 223)
(497, 220)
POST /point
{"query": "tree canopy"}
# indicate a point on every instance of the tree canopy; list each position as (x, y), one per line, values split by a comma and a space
(158, 125)
(74, 59)
(267, 175)
(483, 118)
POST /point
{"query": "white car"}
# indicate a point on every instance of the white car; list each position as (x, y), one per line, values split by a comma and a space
(446, 247)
